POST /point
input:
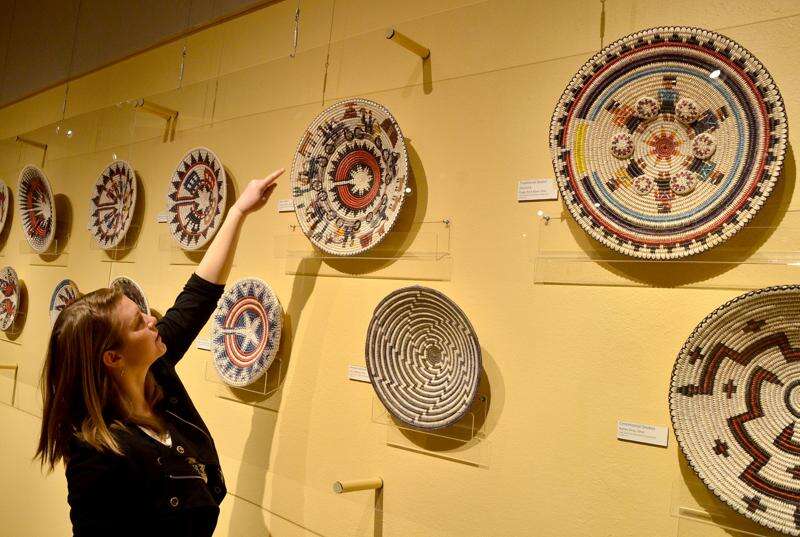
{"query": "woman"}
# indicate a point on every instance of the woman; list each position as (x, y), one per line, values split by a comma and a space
(139, 459)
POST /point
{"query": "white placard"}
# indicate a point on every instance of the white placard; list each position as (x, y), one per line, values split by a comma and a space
(162, 218)
(639, 432)
(357, 372)
(285, 206)
(204, 343)
(537, 190)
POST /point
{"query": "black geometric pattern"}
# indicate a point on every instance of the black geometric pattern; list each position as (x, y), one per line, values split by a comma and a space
(196, 198)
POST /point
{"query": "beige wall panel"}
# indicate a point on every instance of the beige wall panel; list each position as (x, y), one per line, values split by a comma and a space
(112, 29)
(624, 17)
(203, 54)
(32, 113)
(277, 84)
(268, 34)
(151, 72)
(362, 16)
(30, 487)
(520, 33)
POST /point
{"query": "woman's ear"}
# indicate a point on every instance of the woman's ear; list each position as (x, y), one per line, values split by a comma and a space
(113, 359)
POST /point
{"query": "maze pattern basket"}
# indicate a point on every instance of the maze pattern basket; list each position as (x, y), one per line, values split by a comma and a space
(735, 405)
(423, 357)
(246, 332)
(668, 141)
(112, 204)
(349, 177)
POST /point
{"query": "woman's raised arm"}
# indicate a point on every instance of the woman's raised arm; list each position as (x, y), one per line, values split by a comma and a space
(216, 264)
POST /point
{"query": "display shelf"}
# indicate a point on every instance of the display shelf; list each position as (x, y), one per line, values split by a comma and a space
(177, 255)
(56, 255)
(124, 252)
(257, 394)
(693, 522)
(8, 381)
(464, 442)
(757, 256)
(694, 518)
(107, 131)
(423, 253)
(15, 330)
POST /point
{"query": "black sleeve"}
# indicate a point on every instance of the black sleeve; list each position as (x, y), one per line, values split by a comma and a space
(96, 485)
(183, 321)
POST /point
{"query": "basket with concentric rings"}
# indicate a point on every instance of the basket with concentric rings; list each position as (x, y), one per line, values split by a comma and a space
(423, 357)
(735, 405)
(9, 297)
(668, 141)
(349, 177)
(246, 332)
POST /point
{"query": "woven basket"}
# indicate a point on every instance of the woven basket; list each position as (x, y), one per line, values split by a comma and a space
(132, 290)
(349, 177)
(735, 404)
(9, 297)
(37, 208)
(113, 200)
(246, 332)
(668, 141)
(423, 357)
(65, 293)
(196, 198)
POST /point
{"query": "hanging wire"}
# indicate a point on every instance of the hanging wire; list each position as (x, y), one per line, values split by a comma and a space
(184, 51)
(70, 67)
(296, 35)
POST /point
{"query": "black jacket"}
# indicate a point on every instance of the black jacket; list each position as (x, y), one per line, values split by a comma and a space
(154, 489)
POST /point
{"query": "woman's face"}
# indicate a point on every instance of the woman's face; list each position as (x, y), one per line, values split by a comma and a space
(141, 344)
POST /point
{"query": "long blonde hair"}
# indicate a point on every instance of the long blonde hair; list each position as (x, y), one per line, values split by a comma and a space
(80, 397)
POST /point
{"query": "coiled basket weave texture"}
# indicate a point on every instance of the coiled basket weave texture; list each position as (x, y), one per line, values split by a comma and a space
(735, 405)
(668, 141)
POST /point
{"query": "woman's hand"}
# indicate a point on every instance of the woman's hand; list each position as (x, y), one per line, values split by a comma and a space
(256, 193)
(216, 263)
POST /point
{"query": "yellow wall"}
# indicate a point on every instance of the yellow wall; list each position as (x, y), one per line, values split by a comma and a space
(563, 363)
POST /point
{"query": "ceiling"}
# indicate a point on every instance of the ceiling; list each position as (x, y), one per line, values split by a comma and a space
(46, 42)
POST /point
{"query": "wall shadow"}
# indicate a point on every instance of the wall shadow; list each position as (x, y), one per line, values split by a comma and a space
(706, 265)
(255, 448)
(405, 230)
(720, 513)
(63, 233)
(425, 68)
(476, 423)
